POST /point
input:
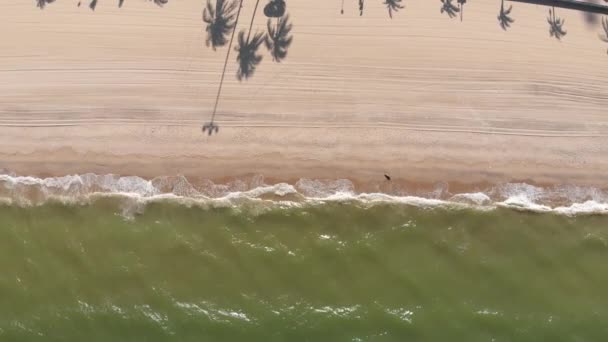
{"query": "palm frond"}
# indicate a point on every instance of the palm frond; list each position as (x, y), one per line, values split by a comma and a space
(278, 39)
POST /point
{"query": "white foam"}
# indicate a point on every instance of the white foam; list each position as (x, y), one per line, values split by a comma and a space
(403, 314)
(522, 190)
(138, 192)
(523, 202)
(341, 311)
(234, 314)
(487, 312)
(324, 188)
(476, 198)
(588, 207)
(156, 317)
(280, 189)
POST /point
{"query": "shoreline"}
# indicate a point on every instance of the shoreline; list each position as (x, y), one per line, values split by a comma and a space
(413, 159)
(133, 193)
(423, 98)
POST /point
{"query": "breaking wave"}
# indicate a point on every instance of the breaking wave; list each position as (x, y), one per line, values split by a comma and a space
(82, 189)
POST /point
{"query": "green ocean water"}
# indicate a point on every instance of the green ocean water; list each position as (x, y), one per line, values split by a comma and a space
(325, 272)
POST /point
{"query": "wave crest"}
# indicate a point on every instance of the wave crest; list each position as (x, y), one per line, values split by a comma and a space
(73, 189)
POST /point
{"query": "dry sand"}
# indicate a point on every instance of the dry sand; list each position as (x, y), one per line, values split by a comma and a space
(421, 97)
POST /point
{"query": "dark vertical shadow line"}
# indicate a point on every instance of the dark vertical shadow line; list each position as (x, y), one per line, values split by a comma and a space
(219, 90)
(252, 19)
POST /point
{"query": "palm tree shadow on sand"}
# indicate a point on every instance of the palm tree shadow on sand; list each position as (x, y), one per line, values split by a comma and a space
(42, 3)
(93, 3)
(220, 22)
(277, 38)
(504, 18)
(605, 27)
(449, 8)
(216, 32)
(393, 6)
(277, 41)
(247, 49)
(461, 4)
(556, 25)
(275, 8)
(248, 57)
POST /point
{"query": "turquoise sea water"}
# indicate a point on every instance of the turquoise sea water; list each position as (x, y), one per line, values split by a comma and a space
(336, 271)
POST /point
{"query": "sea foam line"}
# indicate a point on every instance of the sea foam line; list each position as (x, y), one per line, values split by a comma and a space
(83, 189)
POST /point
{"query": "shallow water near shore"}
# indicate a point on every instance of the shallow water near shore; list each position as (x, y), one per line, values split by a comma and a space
(335, 271)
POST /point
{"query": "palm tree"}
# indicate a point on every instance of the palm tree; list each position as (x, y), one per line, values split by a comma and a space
(393, 5)
(42, 3)
(220, 21)
(503, 17)
(449, 8)
(555, 25)
(461, 6)
(248, 58)
(361, 6)
(605, 26)
(278, 39)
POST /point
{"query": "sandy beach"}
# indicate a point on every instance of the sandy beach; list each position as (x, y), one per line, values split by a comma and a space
(421, 97)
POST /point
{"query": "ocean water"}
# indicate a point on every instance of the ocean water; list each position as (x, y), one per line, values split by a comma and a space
(139, 266)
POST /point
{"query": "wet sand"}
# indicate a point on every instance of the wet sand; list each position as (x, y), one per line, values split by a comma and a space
(421, 97)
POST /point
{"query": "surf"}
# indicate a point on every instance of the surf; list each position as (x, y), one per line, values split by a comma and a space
(86, 188)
